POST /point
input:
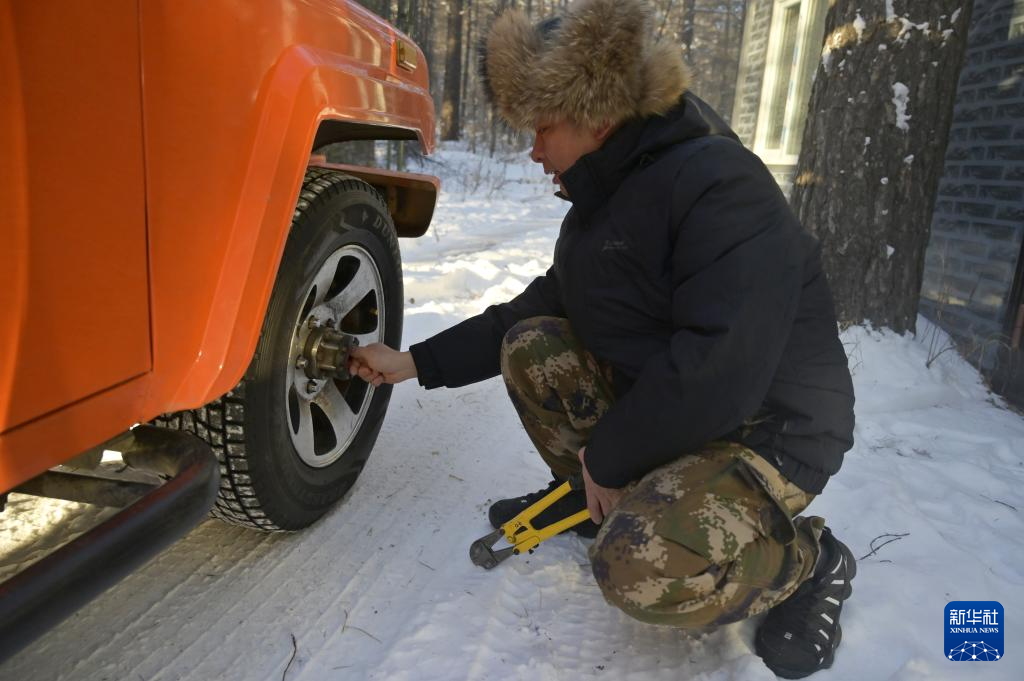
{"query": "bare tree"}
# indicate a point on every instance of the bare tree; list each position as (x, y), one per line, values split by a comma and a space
(873, 149)
(451, 102)
(686, 33)
(709, 31)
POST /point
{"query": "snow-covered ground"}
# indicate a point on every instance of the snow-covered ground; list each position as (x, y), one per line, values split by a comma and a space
(382, 588)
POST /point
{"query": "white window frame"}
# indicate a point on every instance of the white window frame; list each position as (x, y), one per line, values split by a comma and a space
(806, 57)
(1016, 21)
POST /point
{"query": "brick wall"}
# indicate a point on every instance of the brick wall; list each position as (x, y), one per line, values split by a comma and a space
(978, 226)
(751, 74)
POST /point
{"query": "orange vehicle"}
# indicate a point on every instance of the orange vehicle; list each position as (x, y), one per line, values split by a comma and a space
(170, 256)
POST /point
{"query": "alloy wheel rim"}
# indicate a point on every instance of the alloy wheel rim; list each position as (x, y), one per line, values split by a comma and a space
(325, 415)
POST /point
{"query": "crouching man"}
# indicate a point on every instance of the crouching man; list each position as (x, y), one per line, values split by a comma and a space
(681, 351)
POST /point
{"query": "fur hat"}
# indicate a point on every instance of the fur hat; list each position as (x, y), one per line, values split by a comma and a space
(595, 63)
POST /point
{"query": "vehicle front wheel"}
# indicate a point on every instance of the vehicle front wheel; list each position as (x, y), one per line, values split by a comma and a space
(291, 444)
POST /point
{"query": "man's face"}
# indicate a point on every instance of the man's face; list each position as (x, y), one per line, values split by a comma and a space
(558, 145)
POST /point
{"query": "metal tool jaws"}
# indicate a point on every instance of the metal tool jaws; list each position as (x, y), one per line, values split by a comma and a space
(482, 552)
(520, 532)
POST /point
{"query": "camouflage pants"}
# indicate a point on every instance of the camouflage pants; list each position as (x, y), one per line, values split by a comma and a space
(705, 540)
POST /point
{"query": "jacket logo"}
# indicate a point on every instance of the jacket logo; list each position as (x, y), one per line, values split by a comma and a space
(613, 245)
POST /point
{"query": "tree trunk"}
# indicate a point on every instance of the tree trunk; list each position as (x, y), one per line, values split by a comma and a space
(492, 129)
(874, 148)
(451, 103)
(686, 34)
(433, 57)
(467, 52)
(723, 65)
(402, 17)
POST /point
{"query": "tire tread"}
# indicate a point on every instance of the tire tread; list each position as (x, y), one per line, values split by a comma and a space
(221, 422)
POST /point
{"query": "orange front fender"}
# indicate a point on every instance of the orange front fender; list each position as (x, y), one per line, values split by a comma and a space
(228, 221)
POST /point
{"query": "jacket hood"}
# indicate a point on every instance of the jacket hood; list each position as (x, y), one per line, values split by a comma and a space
(597, 175)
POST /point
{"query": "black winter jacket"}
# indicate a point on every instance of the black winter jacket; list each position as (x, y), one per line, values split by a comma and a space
(681, 264)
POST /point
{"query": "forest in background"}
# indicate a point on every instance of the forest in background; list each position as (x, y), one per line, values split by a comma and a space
(449, 32)
(871, 207)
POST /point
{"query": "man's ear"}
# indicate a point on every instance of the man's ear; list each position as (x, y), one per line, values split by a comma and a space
(605, 130)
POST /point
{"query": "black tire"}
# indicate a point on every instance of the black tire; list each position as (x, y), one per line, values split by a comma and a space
(278, 468)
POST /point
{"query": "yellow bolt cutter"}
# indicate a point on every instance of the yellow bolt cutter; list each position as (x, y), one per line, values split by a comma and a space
(520, 532)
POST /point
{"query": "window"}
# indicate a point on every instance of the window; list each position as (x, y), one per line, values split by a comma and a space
(1017, 20)
(794, 51)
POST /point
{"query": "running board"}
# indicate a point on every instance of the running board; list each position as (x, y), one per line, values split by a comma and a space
(42, 595)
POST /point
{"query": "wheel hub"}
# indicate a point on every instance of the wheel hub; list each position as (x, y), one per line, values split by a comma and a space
(326, 352)
(344, 309)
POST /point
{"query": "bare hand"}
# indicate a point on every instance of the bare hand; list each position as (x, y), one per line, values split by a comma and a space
(600, 500)
(377, 363)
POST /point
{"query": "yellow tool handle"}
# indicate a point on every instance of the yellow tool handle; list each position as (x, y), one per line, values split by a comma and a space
(532, 537)
(520, 531)
(532, 511)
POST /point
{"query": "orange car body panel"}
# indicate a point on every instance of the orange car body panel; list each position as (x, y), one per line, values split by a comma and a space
(153, 153)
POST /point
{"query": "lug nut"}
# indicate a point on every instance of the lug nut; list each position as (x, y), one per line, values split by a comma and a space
(310, 386)
(329, 324)
(301, 363)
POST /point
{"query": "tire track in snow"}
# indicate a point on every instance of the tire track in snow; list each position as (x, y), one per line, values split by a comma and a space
(179, 597)
(268, 611)
(133, 590)
(435, 495)
(337, 621)
(426, 474)
(371, 504)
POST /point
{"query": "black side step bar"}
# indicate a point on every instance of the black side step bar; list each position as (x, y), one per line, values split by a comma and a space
(39, 597)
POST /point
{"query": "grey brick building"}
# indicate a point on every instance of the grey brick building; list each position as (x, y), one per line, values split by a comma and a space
(974, 272)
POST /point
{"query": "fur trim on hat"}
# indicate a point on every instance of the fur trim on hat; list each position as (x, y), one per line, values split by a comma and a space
(596, 64)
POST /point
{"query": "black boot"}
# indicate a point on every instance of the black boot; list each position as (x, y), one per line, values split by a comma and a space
(800, 635)
(504, 510)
